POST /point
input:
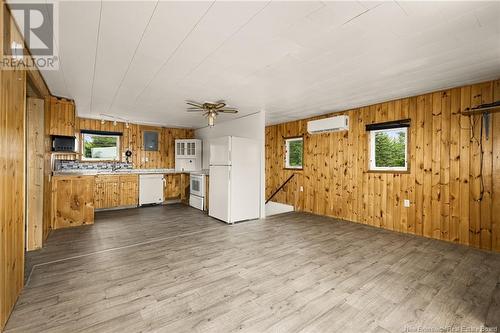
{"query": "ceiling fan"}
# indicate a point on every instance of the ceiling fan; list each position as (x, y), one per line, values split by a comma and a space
(211, 110)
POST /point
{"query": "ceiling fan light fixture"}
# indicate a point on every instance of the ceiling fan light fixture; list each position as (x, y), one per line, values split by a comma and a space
(210, 110)
(211, 119)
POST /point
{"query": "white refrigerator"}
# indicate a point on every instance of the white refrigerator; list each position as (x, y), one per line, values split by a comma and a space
(234, 189)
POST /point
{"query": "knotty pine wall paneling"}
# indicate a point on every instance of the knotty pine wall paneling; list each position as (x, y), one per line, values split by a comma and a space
(133, 139)
(453, 182)
(12, 180)
(12, 174)
(12, 166)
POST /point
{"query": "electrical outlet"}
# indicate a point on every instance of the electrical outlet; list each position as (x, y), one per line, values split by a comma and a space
(302, 189)
(406, 203)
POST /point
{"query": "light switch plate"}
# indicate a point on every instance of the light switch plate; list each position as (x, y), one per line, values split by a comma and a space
(406, 203)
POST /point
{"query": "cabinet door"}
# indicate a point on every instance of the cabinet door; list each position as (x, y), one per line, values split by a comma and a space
(192, 148)
(177, 148)
(182, 149)
(129, 193)
(62, 117)
(99, 193)
(107, 191)
(73, 201)
(173, 187)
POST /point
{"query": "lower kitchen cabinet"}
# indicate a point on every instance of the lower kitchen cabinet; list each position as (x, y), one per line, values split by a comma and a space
(185, 182)
(72, 200)
(129, 190)
(177, 187)
(116, 190)
(107, 191)
(172, 187)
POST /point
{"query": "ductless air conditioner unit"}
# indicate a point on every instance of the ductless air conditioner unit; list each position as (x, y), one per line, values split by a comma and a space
(332, 124)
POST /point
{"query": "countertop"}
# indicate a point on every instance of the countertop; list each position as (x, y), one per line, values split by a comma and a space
(122, 172)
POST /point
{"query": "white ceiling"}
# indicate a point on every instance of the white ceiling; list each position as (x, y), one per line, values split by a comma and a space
(142, 60)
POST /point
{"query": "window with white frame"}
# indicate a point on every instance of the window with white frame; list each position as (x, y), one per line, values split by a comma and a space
(100, 147)
(294, 153)
(389, 149)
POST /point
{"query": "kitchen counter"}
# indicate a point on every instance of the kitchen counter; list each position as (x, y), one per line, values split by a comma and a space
(76, 194)
(82, 172)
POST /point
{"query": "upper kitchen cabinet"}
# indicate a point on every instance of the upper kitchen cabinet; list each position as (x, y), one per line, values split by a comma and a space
(187, 148)
(60, 116)
(188, 154)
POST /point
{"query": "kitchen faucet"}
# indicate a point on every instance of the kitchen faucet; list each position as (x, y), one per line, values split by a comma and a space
(115, 166)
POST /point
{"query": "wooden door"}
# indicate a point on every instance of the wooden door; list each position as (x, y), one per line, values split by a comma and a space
(35, 164)
(129, 192)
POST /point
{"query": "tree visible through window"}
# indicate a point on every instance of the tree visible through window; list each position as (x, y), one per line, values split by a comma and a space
(294, 153)
(389, 149)
(100, 147)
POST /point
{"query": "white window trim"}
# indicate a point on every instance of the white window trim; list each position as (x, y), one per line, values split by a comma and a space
(117, 158)
(287, 153)
(373, 166)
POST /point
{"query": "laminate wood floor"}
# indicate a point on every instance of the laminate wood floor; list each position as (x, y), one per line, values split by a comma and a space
(174, 269)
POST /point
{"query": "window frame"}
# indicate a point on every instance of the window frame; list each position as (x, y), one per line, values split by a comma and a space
(287, 165)
(371, 157)
(91, 159)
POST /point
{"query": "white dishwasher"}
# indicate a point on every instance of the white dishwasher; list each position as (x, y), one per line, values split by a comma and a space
(151, 189)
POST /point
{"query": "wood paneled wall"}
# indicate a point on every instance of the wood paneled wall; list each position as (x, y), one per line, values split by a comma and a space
(454, 193)
(133, 139)
(12, 178)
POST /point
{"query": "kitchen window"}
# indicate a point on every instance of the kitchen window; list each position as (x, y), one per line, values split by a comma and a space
(294, 153)
(100, 147)
(388, 146)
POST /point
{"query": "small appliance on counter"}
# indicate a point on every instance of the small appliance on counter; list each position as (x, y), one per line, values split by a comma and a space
(197, 190)
(63, 143)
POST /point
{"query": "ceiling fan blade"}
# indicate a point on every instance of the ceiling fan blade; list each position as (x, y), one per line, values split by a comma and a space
(195, 104)
(195, 110)
(227, 110)
(220, 105)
